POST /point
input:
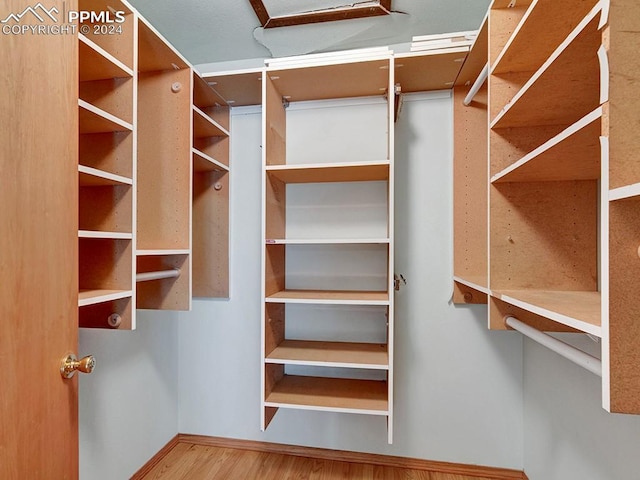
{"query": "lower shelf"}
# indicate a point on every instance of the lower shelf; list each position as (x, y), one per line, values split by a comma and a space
(331, 354)
(576, 309)
(368, 397)
(330, 297)
(92, 297)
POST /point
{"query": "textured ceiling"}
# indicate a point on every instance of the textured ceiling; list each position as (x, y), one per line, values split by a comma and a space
(210, 31)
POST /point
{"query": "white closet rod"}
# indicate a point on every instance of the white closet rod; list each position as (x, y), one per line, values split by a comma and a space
(147, 276)
(569, 352)
(477, 85)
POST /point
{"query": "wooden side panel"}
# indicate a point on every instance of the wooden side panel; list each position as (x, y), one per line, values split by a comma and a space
(164, 160)
(276, 126)
(470, 186)
(624, 70)
(274, 326)
(210, 248)
(624, 306)
(38, 251)
(167, 294)
(544, 236)
(274, 269)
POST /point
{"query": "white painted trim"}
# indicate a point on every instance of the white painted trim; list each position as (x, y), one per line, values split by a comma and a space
(628, 191)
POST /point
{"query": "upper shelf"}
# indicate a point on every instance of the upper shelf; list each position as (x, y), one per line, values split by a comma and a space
(541, 30)
(96, 120)
(564, 88)
(154, 52)
(331, 172)
(95, 63)
(92, 177)
(205, 126)
(344, 80)
(477, 57)
(430, 70)
(239, 88)
(204, 163)
(203, 95)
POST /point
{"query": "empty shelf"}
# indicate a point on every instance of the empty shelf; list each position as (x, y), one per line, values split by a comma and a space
(331, 354)
(477, 283)
(575, 309)
(329, 297)
(96, 120)
(330, 394)
(98, 64)
(205, 126)
(204, 163)
(104, 235)
(161, 252)
(90, 177)
(325, 241)
(331, 172)
(203, 95)
(92, 297)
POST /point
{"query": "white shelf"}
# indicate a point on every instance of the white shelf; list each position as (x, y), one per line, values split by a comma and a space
(89, 177)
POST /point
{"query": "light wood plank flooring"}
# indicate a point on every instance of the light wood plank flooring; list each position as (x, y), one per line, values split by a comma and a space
(197, 462)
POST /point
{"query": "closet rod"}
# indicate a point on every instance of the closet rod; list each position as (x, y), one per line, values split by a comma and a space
(477, 85)
(146, 276)
(569, 352)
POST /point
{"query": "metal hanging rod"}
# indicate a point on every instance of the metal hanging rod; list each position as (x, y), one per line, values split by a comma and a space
(569, 352)
(477, 85)
(162, 274)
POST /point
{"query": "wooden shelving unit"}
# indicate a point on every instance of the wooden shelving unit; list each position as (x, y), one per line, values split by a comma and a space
(311, 246)
(210, 155)
(106, 178)
(164, 171)
(562, 180)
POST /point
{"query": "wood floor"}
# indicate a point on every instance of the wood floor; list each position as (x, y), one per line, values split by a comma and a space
(198, 462)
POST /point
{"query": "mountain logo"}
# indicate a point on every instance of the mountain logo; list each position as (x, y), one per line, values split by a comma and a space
(38, 11)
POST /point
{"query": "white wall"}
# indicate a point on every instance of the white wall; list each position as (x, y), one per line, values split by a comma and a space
(568, 436)
(458, 388)
(129, 404)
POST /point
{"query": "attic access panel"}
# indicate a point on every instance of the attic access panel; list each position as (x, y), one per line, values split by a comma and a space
(283, 13)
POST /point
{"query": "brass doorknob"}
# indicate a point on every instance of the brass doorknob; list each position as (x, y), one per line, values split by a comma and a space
(70, 364)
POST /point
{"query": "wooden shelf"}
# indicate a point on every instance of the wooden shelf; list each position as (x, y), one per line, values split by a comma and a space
(155, 53)
(105, 235)
(96, 120)
(476, 283)
(476, 59)
(90, 177)
(354, 79)
(330, 394)
(330, 354)
(204, 163)
(98, 64)
(573, 154)
(331, 172)
(205, 126)
(563, 90)
(203, 95)
(161, 252)
(237, 88)
(93, 297)
(549, 23)
(579, 310)
(326, 241)
(329, 297)
(425, 71)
